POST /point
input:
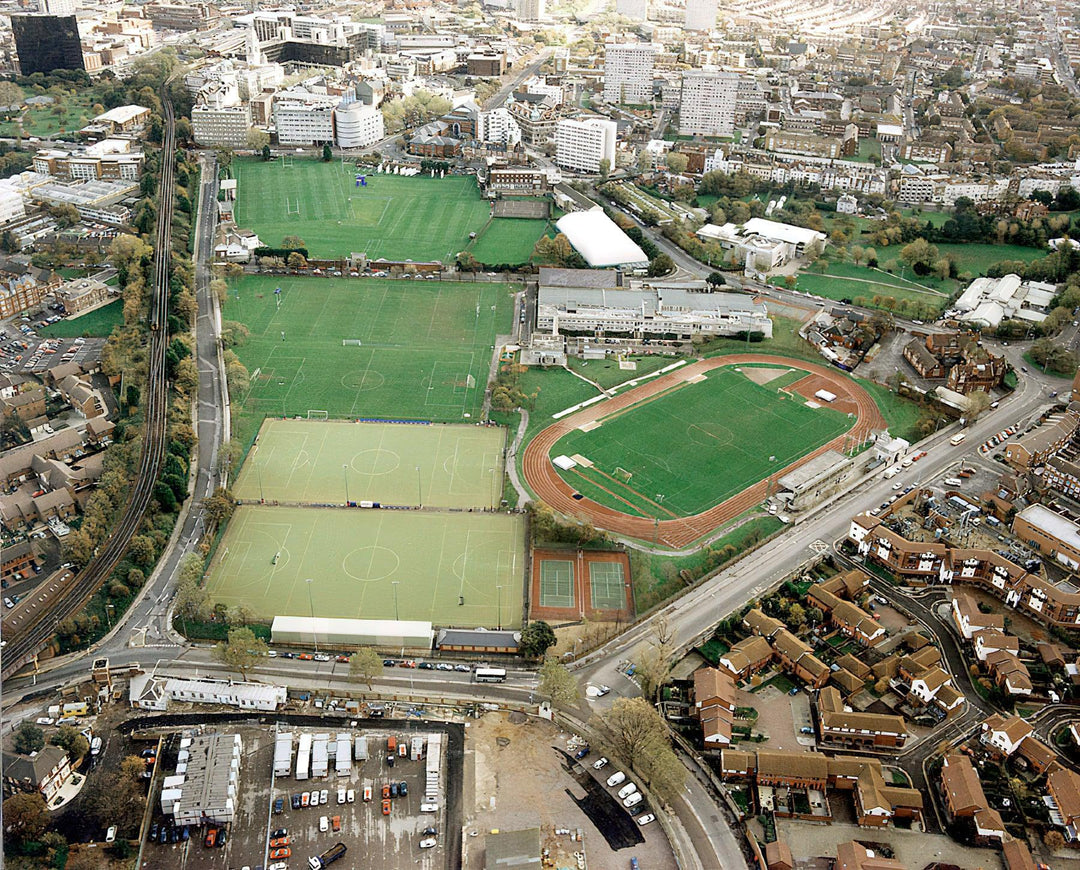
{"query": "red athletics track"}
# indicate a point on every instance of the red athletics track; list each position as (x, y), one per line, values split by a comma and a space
(549, 487)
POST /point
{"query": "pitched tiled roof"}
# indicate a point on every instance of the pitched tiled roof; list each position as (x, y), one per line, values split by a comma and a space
(962, 785)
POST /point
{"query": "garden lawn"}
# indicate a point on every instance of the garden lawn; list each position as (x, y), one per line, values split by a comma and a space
(978, 258)
(393, 217)
(41, 121)
(97, 323)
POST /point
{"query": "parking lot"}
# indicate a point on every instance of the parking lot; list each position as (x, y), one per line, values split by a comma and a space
(40, 354)
(376, 839)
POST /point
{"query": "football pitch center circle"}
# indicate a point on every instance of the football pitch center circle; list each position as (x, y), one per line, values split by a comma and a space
(370, 564)
(363, 380)
(375, 460)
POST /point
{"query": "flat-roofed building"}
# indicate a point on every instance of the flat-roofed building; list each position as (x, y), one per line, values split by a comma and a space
(1052, 534)
(211, 785)
(628, 72)
(707, 103)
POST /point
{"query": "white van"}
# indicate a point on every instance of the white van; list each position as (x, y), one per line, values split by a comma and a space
(953, 481)
(892, 472)
(627, 790)
(958, 438)
(95, 746)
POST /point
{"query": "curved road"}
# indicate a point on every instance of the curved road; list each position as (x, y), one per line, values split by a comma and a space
(549, 486)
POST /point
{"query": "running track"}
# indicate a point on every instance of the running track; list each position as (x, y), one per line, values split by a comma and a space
(550, 488)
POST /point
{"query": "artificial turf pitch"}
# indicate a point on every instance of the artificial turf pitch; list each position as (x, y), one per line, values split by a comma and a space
(392, 217)
(423, 352)
(392, 463)
(697, 445)
(354, 558)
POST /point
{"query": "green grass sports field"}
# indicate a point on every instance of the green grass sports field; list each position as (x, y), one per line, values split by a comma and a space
(395, 217)
(424, 346)
(354, 558)
(508, 240)
(391, 463)
(697, 445)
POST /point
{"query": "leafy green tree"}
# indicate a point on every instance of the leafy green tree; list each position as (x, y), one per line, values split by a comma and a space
(25, 817)
(365, 666)
(557, 684)
(327, 153)
(536, 639)
(68, 738)
(242, 651)
(28, 738)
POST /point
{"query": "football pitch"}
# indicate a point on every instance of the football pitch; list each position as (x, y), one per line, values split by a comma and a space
(698, 444)
(393, 217)
(453, 569)
(390, 463)
(365, 347)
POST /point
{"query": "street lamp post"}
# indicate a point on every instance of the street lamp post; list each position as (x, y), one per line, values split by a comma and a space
(397, 616)
(499, 590)
(419, 495)
(345, 471)
(311, 608)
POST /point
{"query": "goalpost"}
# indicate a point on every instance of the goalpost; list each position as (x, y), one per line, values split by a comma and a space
(289, 210)
(622, 474)
(317, 415)
(286, 161)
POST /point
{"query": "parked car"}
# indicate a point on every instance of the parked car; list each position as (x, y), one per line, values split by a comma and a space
(645, 819)
(324, 824)
(627, 790)
(617, 777)
(635, 798)
(599, 763)
(279, 806)
(386, 807)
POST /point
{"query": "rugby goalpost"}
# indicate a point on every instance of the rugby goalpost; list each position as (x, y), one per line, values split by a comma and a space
(289, 210)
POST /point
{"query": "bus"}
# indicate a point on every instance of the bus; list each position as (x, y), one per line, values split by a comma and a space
(958, 438)
(489, 675)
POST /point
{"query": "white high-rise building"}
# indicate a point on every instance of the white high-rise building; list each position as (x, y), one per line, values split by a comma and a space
(581, 145)
(628, 72)
(530, 10)
(357, 125)
(636, 9)
(221, 126)
(701, 14)
(499, 126)
(708, 103)
(306, 119)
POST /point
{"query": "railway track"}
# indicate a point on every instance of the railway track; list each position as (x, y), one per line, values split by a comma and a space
(73, 595)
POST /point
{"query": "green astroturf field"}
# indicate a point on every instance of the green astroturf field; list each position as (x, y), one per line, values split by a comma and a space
(354, 558)
(417, 349)
(391, 463)
(697, 445)
(398, 218)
